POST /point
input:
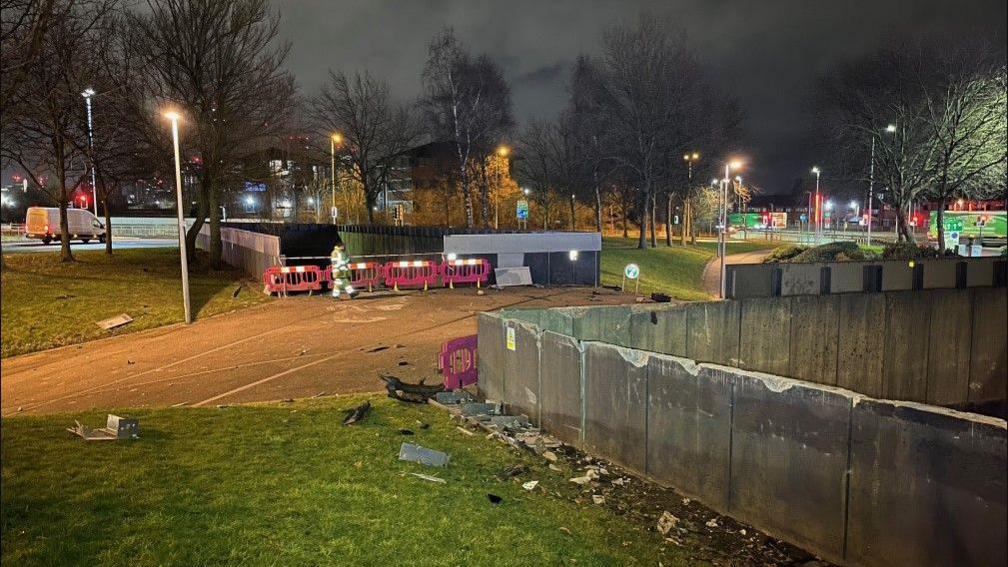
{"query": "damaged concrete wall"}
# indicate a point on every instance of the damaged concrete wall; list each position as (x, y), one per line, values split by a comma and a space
(859, 481)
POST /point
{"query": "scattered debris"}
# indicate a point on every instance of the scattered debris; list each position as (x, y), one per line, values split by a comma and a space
(422, 455)
(403, 363)
(423, 425)
(238, 289)
(378, 348)
(357, 414)
(555, 468)
(288, 400)
(473, 409)
(712, 523)
(464, 430)
(429, 477)
(319, 395)
(417, 393)
(129, 362)
(621, 481)
(565, 530)
(405, 432)
(222, 406)
(453, 397)
(303, 352)
(659, 297)
(112, 323)
(550, 456)
(115, 428)
(598, 499)
(515, 470)
(530, 485)
(666, 523)
(494, 499)
(686, 501)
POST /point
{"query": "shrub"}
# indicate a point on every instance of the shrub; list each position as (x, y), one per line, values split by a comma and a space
(832, 252)
(907, 251)
(783, 253)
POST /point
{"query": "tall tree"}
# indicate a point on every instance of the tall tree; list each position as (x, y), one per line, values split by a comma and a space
(466, 101)
(221, 64)
(45, 122)
(375, 130)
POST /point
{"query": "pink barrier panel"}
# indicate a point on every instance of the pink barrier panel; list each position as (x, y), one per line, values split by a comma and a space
(367, 274)
(457, 362)
(470, 270)
(411, 273)
(284, 279)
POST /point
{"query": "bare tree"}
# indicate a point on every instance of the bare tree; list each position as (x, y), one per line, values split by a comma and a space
(220, 63)
(44, 113)
(468, 102)
(966, 115)
(375, 130)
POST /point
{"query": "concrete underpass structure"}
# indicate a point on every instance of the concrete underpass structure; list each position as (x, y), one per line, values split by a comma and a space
(807, 417)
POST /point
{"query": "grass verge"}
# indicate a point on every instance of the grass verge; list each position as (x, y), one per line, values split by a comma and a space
(676, 270)
(46, 303)
(286, 484)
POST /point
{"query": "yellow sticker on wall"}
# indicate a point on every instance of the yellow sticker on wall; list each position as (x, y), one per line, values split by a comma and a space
(510, 338)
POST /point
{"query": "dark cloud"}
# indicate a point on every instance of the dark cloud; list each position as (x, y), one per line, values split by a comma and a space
(767, 54)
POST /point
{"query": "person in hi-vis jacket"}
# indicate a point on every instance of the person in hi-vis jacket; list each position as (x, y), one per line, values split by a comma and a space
(341, 273)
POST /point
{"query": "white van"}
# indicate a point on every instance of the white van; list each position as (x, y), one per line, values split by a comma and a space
(44, 223)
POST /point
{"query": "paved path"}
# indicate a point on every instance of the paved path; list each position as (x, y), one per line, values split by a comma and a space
(23, 246)
(712, 272)
(288, 348)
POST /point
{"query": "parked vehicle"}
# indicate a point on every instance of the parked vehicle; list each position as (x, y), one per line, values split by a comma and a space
(43, 223)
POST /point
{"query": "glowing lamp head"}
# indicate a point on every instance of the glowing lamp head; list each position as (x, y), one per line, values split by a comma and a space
(173, 116)
(890, 128)
(696, 155)
(503, 151)
(337, 138)
(88, 93)
(573, 255)
(452, 256)
(816, 170)
(735, 164)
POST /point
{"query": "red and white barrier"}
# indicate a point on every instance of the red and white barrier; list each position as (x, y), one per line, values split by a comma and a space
(411, 273)
(469, 270)
(368, 274)
(285, 279)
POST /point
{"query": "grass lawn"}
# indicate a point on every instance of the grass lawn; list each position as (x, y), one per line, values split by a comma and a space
(46, 303)
(676, 270)
(286, 484)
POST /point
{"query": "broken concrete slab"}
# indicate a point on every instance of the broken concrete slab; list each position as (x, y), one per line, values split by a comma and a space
(473, 409)
(113, 322)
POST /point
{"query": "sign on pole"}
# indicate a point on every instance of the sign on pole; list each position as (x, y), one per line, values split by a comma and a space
(631, 272)
(334, 212)
(522, 210)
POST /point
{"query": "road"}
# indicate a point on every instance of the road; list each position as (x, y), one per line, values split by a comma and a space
(123, 243)
(712, 272)
(289, 348)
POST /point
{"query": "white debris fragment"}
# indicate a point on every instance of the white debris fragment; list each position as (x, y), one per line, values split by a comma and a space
(530, 485)
(666, 522)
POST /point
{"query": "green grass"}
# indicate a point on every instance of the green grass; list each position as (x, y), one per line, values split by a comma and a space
(286, 484)
(47, 303)
(676, 270)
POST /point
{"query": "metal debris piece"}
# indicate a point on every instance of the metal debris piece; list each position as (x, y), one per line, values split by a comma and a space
(598, 499)
(117, 321)
(422, 455)
(356, 414)
(417, 393)
(530, 485)
(464, 430)
(508, 421)
(115, 428)
(429, 477)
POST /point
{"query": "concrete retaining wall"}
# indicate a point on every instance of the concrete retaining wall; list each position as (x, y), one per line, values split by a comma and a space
(757, 280)
(944, 346)
(251, 252)
(859, 481)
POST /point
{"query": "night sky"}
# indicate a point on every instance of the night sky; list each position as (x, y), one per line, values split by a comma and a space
(766, 53)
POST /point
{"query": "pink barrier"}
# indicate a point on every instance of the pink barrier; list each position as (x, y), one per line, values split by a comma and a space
(470, 270)
(411, 273)
(284, 279)
(367, 274)
(457, 362)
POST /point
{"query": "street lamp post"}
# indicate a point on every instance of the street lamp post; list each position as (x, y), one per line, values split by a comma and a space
(87, 94)
(890, 128)
(818, 205)
(722, 233)
(687, 220)
(174, 117)
(333, 140)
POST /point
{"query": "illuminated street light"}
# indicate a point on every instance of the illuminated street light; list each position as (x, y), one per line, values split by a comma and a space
(174, 117)
(503, 151)
(722, 231)
(87, 94)
(334, 140)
